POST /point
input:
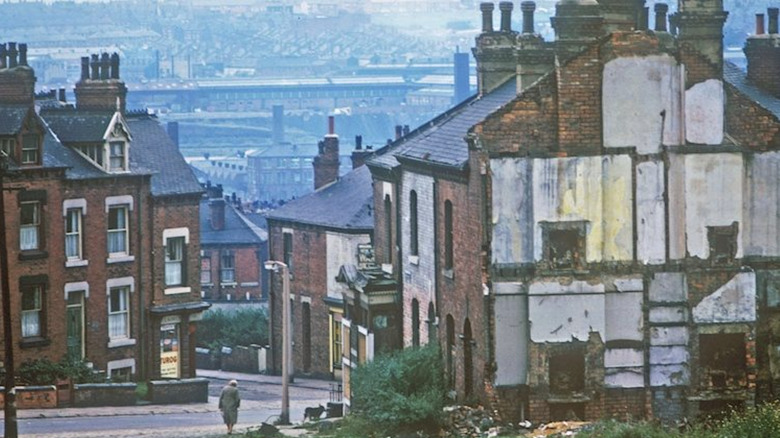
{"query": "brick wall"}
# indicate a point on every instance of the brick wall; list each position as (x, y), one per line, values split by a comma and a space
(750, 124)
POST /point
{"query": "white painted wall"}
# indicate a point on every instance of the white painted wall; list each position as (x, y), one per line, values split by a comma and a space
(342, 249)
(735, 301)
(511, 309)
(635, 93)
(651, 212)
(704, 113)
(761, 235)
(512, 216)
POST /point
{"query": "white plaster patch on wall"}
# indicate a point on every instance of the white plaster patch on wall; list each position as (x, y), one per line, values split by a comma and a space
(735, 301)
(623, 357)
(669, 355)
(641, 102)
(704, 113)
(341, 250)
(669, 375)
(676, 212)
(660, 336)
(512, 218)
(713, 197)
(762, 215)
(511, 339)
(624, 378)
(664, 315)
(575, 287)
(629, 284)
(651, 220)
(508, 288)
(563, 318)
(624, 316)
(668, 287)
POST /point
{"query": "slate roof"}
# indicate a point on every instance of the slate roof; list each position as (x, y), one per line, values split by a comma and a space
(346, 204)
(78, 126)
(738, 78)
(236, 231)
(441, 141)
(152, 150)
(11, 118)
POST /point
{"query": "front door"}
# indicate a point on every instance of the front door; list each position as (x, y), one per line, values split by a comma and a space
(75, 328)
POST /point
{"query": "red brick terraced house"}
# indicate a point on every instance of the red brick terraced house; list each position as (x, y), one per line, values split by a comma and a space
(101, 213)
(594, 233)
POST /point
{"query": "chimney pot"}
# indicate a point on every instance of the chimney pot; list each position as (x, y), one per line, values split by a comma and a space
(759, 24)
(528, 8)
(660, 16)
(487, 16)
(398, 131)
(3, 56)
(84, 68)
(406, 129)
(62, 97)
(12, 55)
(772, 13)
(95, 65)
(644, 18)
(105, 65)
(331, 125)
(506, 16)
(23, 54)
(358, 142)
(115, 66)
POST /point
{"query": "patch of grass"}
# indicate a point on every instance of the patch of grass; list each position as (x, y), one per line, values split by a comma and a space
(141, 391)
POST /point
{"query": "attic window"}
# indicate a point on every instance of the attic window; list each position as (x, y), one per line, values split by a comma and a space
(7, 146)
(117, 156)
(30, 149)
(723, 243)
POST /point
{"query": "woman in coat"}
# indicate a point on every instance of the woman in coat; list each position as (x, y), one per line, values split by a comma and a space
(229, 401)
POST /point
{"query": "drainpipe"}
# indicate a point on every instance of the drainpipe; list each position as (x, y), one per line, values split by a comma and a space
(142, 368)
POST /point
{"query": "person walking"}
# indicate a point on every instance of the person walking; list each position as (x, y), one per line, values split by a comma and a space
(229, 401)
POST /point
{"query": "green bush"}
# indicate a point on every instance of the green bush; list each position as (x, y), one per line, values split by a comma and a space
(759, 422)
(400, 391)
(46, 372)
(240, 327)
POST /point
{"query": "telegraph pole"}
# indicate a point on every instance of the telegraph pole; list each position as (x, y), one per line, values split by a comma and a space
(11, 427)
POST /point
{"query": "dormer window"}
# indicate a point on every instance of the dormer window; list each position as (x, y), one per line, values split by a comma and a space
(7, 146)
(117, 156)
(30, 149)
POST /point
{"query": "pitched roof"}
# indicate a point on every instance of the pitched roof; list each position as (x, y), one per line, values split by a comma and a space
(11, 118)
(441, 141)
(346, 204)
(738, 78)
(235, 232)
(78, 126)
(152, 150)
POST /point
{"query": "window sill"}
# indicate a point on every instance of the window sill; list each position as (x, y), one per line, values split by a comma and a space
(449, 273)
(207, 285)
(414, 260)
(250, 284)
(387, 268)
(121, 343)
(34, 341)
(76, 263)
(234, 284)
(177, 290)
(33, 254)
(120, 259)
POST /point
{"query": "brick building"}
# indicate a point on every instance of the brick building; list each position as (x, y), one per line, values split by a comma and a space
(593, 234)
(233, 250)
(315, 236)
(101, 219)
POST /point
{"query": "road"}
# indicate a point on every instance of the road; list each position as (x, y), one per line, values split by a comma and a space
(260, 403)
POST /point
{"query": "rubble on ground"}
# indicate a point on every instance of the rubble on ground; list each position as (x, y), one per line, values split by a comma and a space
(478, 422)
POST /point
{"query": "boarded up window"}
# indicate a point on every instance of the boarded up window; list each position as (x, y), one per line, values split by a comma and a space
(567, 372)
(723, 243)
(722, 359)
(564, 244)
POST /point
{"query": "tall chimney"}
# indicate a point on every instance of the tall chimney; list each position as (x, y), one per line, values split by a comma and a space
(62, 97)
(173, 132)
(487, 16)
(217, 213)
(506, 16)
(528, 8)
(12, 55)
(115, 66)
(660, 16)
(326, 163)
(700, 25)
(359, 155)
(759, 24)
(399, 131)
(84, 68)
(23, 53)
(462, 86)
(278, 124)
(95, 65)
(3, 56)
(105, 66)
(772, 13)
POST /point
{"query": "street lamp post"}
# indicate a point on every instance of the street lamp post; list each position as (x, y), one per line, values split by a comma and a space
(275, 266)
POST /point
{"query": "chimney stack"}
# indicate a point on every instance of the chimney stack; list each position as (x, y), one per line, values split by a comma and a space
(700, 26)
(100, 87)
(506, 16)
(772, 13)
(487, 16)
(359, 155)
(399, 131)
(759, 24)
(462, 76)
(660, 16)
(528, 8)
(62, 95)
(763, 54)
(326, 163)
(217, 213)
(17, 83)
(173, 132)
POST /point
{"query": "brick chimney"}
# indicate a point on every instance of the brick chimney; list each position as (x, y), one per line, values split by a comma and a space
(576, 24)
(360, 155)
(494, 50)
(462, 76)
(763, 54)
(700, 27)
(17, 79)
(622, 15)
(216, 206)
(326, 163)
(100, 87)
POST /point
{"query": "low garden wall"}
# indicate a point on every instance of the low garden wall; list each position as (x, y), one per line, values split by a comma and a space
(179, 391)
(103, 394)
(33, 397)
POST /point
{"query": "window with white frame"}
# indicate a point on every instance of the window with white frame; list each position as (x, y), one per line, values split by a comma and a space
(32, 309)
(116, 156)
(119, 312)
(7, 146)
(228, 267)
(73, 227)
(118, 230)
(30, 224)
(174, 261)
(30, 146)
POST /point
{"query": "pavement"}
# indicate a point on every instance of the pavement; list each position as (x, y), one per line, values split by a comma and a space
(218, 430)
